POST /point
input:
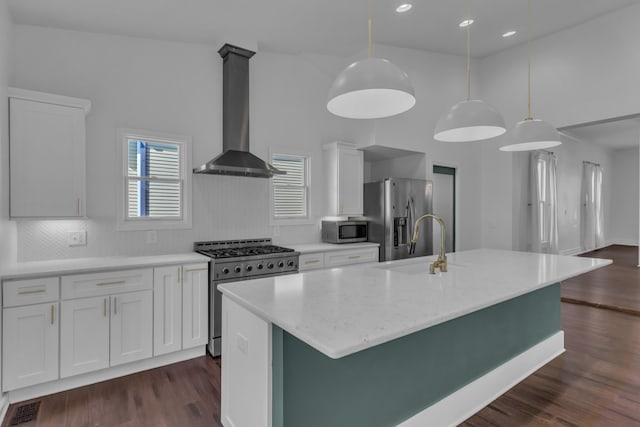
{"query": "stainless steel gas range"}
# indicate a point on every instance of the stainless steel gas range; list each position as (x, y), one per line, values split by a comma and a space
(235, 260)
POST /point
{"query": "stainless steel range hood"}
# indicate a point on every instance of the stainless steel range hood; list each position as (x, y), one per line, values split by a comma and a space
(236, 158)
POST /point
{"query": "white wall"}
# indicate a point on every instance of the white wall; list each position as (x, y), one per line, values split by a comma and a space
(570, 156)
(625, 192)
(439, 81)
(579, 75)
(7, 228)
(174, 88)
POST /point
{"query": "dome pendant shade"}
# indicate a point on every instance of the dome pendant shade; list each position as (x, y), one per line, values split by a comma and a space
(468, 121)
(533, 135)
(370, 89)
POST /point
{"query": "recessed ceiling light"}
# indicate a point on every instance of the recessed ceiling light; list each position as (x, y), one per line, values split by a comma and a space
(465, 23)
(405, 7)
(509, 33)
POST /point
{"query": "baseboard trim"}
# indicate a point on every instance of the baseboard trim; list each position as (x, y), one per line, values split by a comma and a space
(63, 384)
(4, 401)
(572, 251)
(457, 407)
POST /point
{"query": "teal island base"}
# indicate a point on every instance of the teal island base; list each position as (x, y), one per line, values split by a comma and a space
(438, 376)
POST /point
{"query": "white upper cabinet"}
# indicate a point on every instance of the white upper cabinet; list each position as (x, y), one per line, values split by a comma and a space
(47, 155)
(344, 166)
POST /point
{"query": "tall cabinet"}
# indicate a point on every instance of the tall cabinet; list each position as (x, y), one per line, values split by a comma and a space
(344, 167)
(47, 154)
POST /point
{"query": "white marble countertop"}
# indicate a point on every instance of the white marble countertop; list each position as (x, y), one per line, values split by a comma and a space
(341, 311)
(308, 248)
(84, 265)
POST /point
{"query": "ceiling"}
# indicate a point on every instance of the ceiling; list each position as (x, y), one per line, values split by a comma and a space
(615, 134)
(335, 27)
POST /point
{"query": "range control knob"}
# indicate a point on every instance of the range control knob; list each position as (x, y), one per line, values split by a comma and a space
(260, 266)
(237, 269)
(225, 270)
(270, 265)
(248, 268)
(280, 264)
(290, 263)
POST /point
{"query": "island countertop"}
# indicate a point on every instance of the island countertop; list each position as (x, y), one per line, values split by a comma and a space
(341, 311)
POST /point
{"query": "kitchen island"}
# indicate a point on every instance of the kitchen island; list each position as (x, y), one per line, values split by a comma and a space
(390, 344)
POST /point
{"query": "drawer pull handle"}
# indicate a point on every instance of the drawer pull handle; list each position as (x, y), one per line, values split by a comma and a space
(115, 305)
(117, 282)
(354, 257)
(78, 206)
(52, 313)
(197, 269)
(105, 307)
(37, 291)
(312, 261)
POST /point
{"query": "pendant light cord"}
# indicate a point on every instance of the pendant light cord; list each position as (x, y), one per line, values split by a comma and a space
(370, 51)
(529, 117)
(468, 50)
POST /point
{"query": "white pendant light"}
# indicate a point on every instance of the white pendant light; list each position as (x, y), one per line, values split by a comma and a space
(371, 89)
(470, 120)
(532, 134)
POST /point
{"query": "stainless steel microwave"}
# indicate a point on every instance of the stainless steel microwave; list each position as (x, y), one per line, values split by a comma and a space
(344, 231)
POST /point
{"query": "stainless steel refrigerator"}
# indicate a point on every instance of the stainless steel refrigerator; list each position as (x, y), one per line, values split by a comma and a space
(391, 208)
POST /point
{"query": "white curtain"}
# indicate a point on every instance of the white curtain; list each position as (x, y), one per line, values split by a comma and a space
(591, 232)
(544, 203)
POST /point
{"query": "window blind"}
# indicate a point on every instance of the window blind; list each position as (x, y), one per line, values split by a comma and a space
(290, 190)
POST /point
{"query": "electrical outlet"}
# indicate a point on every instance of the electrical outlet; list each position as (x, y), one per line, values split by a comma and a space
(243, 343)
(77, 238)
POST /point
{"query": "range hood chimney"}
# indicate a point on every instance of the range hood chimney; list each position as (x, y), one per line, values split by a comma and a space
(236, 158)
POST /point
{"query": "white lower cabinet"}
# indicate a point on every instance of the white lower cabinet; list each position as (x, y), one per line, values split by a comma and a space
(180, 307)
(105, 331)
(131, 327)
(84, 335)
(337, 258)
(30, 345)
(167, 310)
(59, 327)
(195, 305)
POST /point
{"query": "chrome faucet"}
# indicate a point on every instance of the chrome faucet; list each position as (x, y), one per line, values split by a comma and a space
(441, 262)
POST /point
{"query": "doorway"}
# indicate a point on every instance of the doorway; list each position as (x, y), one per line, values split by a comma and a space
(444, 204)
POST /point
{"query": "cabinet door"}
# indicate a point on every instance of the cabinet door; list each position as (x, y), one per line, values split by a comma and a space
(167, 310)
(47, 159)
(84, 336)
(351, 256)
(131, 327)
(350, 181)
(194, 305)
(30, 345)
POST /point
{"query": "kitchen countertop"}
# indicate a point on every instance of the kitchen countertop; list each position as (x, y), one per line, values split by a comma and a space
(84, 265)
(307, 248)
(345, 310)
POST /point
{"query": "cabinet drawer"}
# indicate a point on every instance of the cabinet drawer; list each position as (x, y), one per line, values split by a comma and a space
(353, 256)
(106, 283)
(311, 261)
(29, 291)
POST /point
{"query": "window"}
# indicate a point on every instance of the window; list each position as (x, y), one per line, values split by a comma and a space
(156, 181)
(290, 192)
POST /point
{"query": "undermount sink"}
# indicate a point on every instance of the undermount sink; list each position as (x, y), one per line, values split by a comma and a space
(413, 268)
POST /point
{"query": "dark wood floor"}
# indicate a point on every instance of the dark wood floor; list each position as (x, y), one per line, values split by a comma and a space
(596, 382)
(185, 394)
(616, 286)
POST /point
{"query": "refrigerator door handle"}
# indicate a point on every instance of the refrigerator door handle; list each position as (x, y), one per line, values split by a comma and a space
(411, 219)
